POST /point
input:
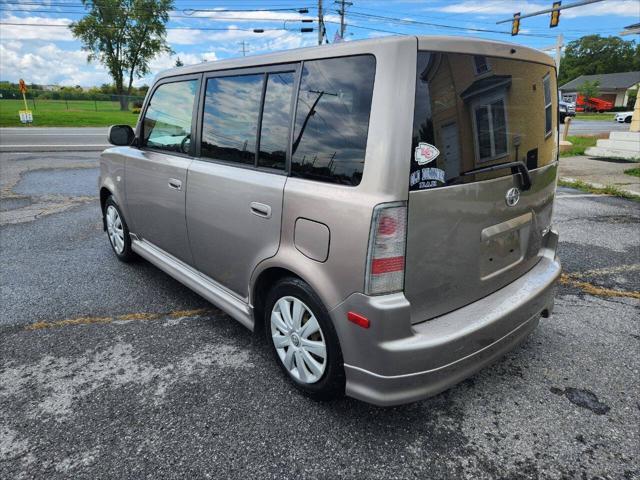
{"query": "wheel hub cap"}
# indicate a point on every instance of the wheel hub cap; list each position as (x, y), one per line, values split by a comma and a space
(298, 339)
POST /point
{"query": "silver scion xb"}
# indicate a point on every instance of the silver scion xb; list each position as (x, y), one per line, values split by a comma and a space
(380, 210)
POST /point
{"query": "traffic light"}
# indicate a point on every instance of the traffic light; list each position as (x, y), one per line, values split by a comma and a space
(555, 15)
(515, 25)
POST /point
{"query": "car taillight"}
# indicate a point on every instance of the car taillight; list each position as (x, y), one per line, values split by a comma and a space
(385, 258)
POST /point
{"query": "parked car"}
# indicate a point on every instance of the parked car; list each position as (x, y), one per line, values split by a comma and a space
(566, 109)
(380, 210)
(623, 117)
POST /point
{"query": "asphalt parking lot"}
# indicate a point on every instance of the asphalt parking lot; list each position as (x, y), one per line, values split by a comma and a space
(110, 370)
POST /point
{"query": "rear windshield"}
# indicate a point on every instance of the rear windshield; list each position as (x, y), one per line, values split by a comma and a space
(473, 111)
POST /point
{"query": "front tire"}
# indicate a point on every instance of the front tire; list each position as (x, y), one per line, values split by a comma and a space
(117, 231)
(303, 339)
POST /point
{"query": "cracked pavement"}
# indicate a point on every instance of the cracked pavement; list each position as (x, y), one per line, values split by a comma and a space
(117, 371)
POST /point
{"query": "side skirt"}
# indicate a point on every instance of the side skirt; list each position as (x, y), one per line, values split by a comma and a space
(196, 281)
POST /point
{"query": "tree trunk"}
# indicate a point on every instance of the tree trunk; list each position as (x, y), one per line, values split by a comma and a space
(124, 102)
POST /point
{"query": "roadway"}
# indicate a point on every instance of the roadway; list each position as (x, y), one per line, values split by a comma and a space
(112, 370)
(43, 139)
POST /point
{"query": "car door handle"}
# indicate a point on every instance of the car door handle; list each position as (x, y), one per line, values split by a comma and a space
(260, 209)
(175, 184)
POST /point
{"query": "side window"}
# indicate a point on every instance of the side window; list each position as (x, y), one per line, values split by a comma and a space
(167, 121)
(274, 132)
(332, 119)
(230, 122)
(546, 83)
(490, 126)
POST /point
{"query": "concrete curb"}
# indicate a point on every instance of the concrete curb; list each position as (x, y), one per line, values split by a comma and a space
(598, 185)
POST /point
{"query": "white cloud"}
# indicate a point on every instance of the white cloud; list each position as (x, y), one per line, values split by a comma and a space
(25, 32)
(34, 64)
(630, 8)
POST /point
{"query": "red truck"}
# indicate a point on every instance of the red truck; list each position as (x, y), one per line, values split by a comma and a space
(592, 104)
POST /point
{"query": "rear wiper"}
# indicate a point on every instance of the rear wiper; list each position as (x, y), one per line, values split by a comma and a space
(516, 167)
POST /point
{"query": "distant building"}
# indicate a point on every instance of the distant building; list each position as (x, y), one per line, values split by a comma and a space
(50, 88)
(614, 87)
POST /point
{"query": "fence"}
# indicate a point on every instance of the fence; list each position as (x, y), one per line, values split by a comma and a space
(40, 100)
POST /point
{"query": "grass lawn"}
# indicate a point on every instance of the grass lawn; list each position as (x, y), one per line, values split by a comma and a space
(635, 172)
(594, 116)
(58, 113)
(580, 144)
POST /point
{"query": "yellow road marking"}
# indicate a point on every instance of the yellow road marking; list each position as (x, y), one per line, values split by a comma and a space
(126, 317)
(607, 271)
(572, 280)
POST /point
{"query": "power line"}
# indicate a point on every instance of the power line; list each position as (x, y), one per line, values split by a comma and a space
(441, 25)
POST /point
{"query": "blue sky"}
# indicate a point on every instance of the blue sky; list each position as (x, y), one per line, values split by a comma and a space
(50, 55)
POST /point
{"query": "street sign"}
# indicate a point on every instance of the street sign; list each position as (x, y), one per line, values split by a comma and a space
(26, 116)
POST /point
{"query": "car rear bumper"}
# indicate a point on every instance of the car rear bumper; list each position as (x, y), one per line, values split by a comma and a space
(394, 362)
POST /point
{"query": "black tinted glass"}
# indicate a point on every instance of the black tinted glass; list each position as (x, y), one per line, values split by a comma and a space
(473, 111)
(332, 119)
(230, 121)
(274, 134)
(167, 121)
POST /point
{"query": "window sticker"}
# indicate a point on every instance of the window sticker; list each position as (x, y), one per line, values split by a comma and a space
(427, 178)
(426, 153)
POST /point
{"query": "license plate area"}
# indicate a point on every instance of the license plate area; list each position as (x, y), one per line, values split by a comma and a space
(503, 246)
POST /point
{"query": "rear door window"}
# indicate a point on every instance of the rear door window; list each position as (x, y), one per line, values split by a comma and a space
(231, 114)
(475, 111)
(167, 121)
(276, 118)
(332, 119)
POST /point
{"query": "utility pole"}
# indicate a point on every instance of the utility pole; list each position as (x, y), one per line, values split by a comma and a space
(244, 47)
(320, 22)
(558, 48)
(342, 12)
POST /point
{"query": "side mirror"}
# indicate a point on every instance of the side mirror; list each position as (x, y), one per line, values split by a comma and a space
(121, 135)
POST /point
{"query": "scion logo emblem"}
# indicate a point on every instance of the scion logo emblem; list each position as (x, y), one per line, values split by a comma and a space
(512, 197)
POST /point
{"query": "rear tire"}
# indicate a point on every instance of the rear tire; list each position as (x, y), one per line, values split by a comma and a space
(303, 339)
(117, 231)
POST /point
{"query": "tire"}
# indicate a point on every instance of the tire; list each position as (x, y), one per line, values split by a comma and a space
(627, 120)
(330, 383)
(117, 231)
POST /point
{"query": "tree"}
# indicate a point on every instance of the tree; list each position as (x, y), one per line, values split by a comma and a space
(124, 35)
(589, 90)
(593, 54)
(179, 63)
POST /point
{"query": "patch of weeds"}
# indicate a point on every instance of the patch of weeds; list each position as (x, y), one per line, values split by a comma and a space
(580, 144)
(608, 190)
(635, 172)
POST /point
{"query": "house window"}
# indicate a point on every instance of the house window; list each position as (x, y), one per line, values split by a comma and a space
(490, 127)
(480, 64)
(548, 109)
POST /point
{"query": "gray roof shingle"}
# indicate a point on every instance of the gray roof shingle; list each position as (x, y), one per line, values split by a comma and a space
(607, 80)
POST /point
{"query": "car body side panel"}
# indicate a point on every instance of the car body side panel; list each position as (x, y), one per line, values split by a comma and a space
(112, 177)
(228, 239)
(347, 210)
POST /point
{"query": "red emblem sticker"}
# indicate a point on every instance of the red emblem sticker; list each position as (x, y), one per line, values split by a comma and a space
(426, 153)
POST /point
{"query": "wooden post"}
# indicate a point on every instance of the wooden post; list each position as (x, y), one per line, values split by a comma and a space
(567, 123)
